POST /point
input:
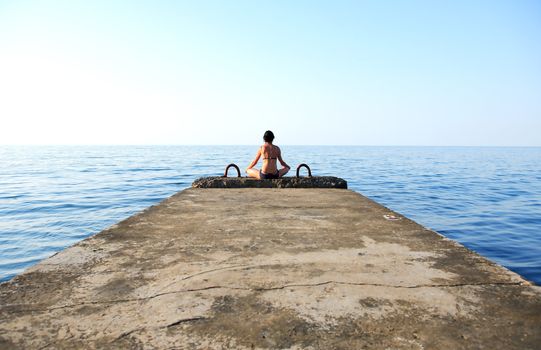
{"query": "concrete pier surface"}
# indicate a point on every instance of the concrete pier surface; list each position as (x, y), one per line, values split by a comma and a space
(269, 268)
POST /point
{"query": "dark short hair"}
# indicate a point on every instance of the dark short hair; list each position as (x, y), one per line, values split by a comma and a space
(268, 136)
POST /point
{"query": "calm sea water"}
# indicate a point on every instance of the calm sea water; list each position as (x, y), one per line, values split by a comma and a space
(489, 199)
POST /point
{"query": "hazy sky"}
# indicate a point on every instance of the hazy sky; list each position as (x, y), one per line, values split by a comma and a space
(314, 72)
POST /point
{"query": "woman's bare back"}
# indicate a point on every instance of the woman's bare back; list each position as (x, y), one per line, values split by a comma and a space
(270, 154)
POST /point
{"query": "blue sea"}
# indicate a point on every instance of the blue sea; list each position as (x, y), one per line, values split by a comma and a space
(488, 199)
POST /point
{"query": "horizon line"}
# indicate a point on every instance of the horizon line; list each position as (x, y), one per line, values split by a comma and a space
(237, 145)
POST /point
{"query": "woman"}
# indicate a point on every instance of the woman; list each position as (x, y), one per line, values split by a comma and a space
(270, 153)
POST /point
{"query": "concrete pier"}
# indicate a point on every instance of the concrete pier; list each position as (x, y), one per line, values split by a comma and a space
(269, 268)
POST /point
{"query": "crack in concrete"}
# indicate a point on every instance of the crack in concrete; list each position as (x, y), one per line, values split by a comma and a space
(127, 333)
(184, 320)
(389, 286)
(46, 346)
(263, 289)
(203, 273)
(172, 324)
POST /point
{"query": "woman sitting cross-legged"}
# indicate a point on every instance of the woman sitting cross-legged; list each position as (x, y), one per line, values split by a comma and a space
(270, 153)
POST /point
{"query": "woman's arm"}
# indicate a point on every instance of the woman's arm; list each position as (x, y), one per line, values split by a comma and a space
(284, 164)
(254, 162)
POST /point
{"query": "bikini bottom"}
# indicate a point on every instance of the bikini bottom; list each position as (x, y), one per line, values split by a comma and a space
(264, 176)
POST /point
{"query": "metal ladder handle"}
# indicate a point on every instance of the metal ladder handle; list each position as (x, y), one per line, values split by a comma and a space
(234, 166)
(304, 166)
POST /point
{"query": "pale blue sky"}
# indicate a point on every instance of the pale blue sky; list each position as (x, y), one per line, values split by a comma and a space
(315, 72)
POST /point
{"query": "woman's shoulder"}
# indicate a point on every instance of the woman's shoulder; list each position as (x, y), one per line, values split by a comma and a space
(267, 146)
